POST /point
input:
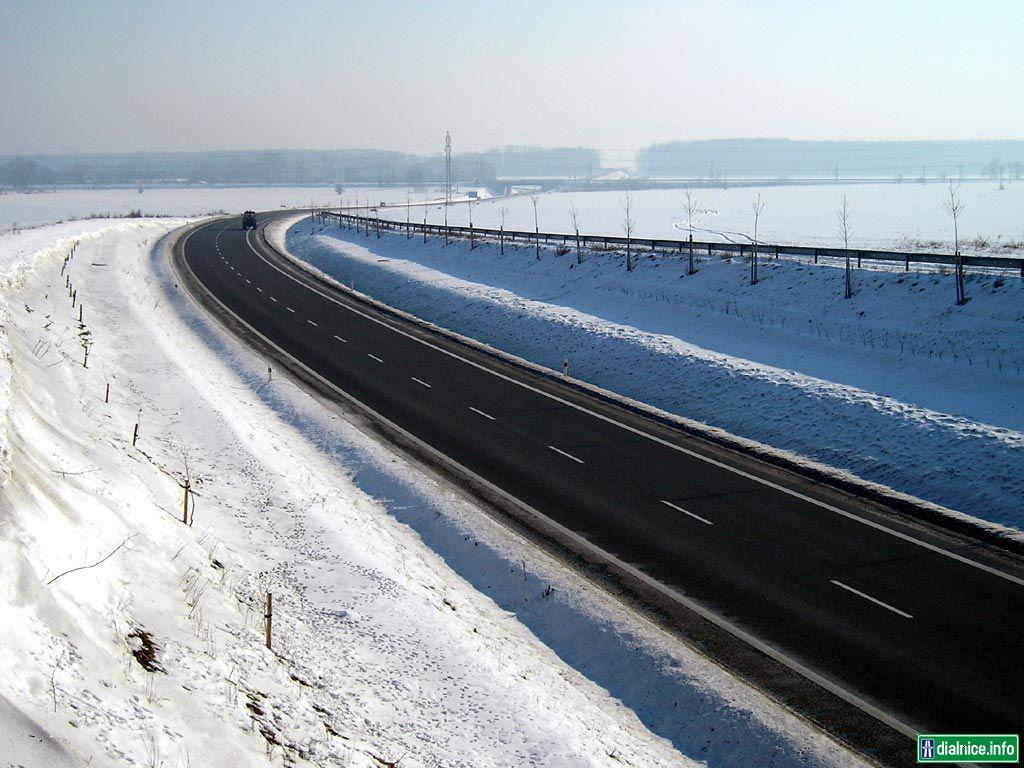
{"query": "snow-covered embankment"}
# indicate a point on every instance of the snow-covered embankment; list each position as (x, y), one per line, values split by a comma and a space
(896, 386)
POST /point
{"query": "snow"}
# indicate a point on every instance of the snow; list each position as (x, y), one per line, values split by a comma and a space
(888, 216)
(896, 386)
(408, 624)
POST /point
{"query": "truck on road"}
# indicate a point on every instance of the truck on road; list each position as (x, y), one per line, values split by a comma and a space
(249, 220)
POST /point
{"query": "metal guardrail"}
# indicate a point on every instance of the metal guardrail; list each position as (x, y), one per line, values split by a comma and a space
(682, 246)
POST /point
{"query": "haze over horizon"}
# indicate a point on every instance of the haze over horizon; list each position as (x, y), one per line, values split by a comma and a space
(123, 76)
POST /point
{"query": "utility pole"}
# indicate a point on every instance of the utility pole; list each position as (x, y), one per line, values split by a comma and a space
(447, 168)
(447, 180)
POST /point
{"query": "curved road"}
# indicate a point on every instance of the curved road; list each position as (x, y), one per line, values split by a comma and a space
(920, 627)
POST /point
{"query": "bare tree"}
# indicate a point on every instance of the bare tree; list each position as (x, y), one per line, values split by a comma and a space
(628, 225)
(954, 207)
(843, 215)
(574, 217)
(502, 212)
(691, 209)
(536, 226)
(758, 208)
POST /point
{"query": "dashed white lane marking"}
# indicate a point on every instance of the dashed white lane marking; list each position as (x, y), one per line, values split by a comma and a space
(273, 299)
(312, 323)
(248, 281)
(874, 600)
(374, 357)
(686, 512)
(341, 339)
(259, 289)
(290, 310)
(567, 455)
(420, 381)
(488, 416)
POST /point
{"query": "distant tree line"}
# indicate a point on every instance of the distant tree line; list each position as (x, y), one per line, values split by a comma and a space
(294, 167)
(721, 159)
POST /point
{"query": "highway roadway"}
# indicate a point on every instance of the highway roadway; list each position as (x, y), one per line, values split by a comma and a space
(921, 628)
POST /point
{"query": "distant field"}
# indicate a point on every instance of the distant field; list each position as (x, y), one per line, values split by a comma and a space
(46, 207)
(884, 215)
(906, 215)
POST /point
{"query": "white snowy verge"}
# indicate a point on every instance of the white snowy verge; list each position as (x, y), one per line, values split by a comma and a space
(406, 623)
(897, 386)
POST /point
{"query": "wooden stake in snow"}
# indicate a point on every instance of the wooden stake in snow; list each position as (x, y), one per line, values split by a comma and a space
(135, 434)
(268, 618)
(106, 394)
(80, 312)
(184, 512)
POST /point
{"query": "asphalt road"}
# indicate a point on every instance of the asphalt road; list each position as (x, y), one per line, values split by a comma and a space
(926, 627)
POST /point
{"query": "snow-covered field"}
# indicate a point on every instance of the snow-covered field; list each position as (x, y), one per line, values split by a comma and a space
(28, 210)
(902, 216)
(19, 209)
(897, 386)
(407, 625)
(890, 216)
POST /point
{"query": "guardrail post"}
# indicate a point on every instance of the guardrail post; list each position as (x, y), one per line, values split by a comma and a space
(815, 255)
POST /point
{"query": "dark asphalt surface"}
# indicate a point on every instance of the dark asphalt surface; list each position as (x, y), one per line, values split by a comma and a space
(933, 641)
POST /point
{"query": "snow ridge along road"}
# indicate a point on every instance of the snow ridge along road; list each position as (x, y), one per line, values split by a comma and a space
(610, 481)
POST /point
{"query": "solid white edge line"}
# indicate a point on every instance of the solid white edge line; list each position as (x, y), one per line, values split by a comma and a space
(765, 648)
(722, 465)
(686, 512)
(485, 415)
(567, 455)
(874, 600)
(420, 381)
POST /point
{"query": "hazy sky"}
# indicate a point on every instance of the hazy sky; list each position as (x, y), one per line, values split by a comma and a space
(109, 75)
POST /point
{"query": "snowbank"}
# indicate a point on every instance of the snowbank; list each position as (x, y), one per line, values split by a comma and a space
(896, 386)
(407, 624)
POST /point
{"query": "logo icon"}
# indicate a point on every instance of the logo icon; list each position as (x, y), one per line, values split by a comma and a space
(927, 747)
